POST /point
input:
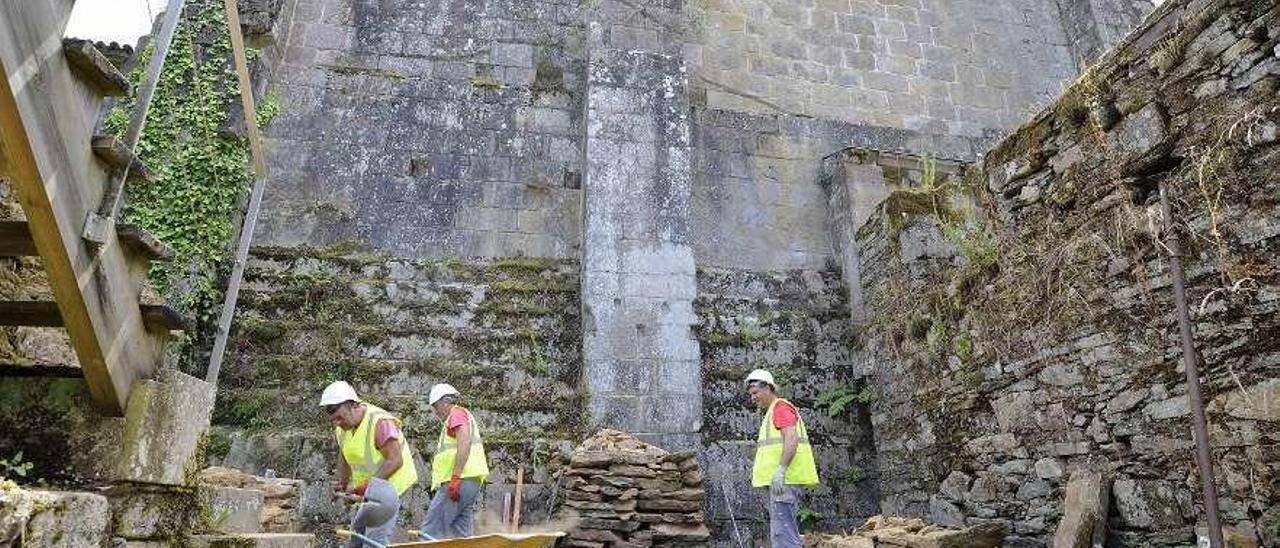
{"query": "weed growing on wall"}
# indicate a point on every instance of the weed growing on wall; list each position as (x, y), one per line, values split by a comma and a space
(201, 169)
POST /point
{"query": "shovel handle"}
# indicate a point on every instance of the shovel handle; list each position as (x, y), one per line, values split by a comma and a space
(346, 534)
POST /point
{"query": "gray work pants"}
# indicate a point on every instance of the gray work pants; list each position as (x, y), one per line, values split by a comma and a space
(448, 519)
(376, 516)
(784, 527)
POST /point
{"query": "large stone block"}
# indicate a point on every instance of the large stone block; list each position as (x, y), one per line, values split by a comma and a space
(1084, 511)
(231, 510)
(164, 424)
(143, 512)
(52, 520)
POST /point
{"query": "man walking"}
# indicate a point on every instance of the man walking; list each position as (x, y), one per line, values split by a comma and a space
(457, 470)
(784, 458)
(375, 465)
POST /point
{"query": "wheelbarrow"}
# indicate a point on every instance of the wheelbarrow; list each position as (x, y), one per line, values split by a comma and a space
(492, 540)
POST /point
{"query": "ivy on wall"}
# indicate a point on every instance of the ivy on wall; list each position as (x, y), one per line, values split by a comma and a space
(200, 168)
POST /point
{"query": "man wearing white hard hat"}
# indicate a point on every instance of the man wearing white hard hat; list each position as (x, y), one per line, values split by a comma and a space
(375, 465)
(784, 459)
(458, 469)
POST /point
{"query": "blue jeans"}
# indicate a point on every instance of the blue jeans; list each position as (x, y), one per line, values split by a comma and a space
(784, 528)
(448, 519)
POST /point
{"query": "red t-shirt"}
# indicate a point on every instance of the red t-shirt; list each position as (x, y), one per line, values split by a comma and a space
(457, 419)
(784, 415)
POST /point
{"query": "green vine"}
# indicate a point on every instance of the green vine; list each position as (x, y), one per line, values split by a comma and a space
(200, 168)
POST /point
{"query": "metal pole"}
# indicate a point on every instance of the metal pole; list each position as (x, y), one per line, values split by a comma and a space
(255, 198)
(1200, 429)
(98, 223)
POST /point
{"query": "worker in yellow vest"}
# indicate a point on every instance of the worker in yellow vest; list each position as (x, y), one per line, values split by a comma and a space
(375, 466)
(784, 459)
(458, 469)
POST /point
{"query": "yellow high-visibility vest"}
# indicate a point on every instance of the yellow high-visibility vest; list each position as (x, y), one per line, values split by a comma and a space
(477, 465)
(364, 458)
(802, 471)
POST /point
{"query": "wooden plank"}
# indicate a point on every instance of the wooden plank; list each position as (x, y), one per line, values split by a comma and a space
(93, 67)
(30, 314)
(46, 118)
(255, 196)
(15, 240)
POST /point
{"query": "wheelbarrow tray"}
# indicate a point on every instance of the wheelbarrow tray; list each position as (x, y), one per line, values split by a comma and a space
(494, 540)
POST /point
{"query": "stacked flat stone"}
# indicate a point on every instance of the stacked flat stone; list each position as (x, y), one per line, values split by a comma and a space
(898, 532)
(620, 492)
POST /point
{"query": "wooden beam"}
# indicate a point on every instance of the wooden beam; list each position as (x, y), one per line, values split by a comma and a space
(15, 240)
(41, 370)
(30, 314)
(47, 116)
(255, 196)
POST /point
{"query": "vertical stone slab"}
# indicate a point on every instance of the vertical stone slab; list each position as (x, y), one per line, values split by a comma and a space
(165, 421)
(641, 361)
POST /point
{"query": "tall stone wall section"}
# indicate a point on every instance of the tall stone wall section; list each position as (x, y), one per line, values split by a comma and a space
(638, 281)
(964, 67)
(757, 199)
(428, 129)
(796, 324)
(1039, 338)
(505, 332)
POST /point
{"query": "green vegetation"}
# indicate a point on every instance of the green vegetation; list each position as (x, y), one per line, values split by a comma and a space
(15, 466)
(200, 167)
(839, 399)
(808, 519)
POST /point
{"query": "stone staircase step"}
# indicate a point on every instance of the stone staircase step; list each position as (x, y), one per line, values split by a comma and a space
(90, 65)
(160, 317)
(53, 518)
(143, 243)
(254, 540)
(114, 153)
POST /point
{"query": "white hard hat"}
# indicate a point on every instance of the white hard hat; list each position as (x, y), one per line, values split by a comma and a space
(338, 392)
(761, 375)
(439, 391)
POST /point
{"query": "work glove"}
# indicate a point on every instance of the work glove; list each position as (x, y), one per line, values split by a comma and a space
(778, 487)
(455, 488)
(360, 489)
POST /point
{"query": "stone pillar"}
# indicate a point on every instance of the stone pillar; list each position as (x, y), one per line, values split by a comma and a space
(641, 361)
(854, 188)
(1094, 26)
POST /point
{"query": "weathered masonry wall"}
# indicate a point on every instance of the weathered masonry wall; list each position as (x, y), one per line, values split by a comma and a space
(856, 183)
(504, 332)
(429, 129)
(956, 67)
(1042, 339)
(638, 281)
(796, 324)
(757, 201)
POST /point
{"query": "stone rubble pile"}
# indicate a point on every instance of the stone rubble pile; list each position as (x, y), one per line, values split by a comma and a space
(895, 532)
(620, 492)
(280, 496)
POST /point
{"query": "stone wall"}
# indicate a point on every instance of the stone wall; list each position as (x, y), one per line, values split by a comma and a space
(952, 67)
(1040, 338)
(504, 332)
(856, 182)
(437, 129)
(640, 356)
(757, 201)
(796, 324)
